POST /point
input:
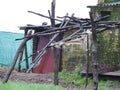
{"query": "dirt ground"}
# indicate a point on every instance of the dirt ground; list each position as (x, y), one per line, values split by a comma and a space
(35, 78)
(42, 79)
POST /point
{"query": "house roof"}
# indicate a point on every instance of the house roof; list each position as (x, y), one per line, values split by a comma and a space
(106, 4)
(110, 4)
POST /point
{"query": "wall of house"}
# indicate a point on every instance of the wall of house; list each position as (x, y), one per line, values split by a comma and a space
(109, 41)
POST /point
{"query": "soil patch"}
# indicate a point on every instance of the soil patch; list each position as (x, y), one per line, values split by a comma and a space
(35, 78)
(43, 79)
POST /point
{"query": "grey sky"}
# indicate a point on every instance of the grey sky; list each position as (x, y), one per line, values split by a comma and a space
(13, 13)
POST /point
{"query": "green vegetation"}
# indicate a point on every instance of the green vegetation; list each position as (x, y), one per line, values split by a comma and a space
(24, 86)
(77, 79)
(108, 50)
(68, 77)
(108, 46)
(73, 78)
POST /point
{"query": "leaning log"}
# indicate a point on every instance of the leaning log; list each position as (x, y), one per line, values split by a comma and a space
(20, 60)
(8, 73)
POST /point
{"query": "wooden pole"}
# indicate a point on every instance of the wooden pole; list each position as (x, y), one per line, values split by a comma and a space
(56, 65)
(54, 49)
(7, 74)
(19, 63)
(94, 54)
(87, 59)
(53, 13)
(26, 54)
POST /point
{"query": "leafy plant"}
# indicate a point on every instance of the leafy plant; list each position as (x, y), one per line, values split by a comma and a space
(77, 79)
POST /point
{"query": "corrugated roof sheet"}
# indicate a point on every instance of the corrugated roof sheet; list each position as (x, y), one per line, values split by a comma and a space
(110, 4)
(106, 4)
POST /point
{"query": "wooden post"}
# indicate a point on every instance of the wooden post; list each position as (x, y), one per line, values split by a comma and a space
(53, 13)
(26, 54)
(54, 49)
(7, 74)
(94, 54)
(19, 63)
(34, 45)
(87, 59)
(56, 65)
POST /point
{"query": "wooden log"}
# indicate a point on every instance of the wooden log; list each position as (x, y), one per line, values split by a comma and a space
(44, 16)
(8, 73)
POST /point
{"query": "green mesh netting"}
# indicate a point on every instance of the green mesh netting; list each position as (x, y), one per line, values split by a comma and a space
(8, 48)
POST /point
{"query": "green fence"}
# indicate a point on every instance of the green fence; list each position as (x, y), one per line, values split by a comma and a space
(8, 48)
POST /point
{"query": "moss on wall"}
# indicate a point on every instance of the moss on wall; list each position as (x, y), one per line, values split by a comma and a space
(108, 48)
(108, 45)
(74, 57)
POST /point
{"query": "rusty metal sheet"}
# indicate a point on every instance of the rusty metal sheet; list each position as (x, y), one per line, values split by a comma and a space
(46, 65)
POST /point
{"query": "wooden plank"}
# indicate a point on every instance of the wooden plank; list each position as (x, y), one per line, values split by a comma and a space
(114, 73)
